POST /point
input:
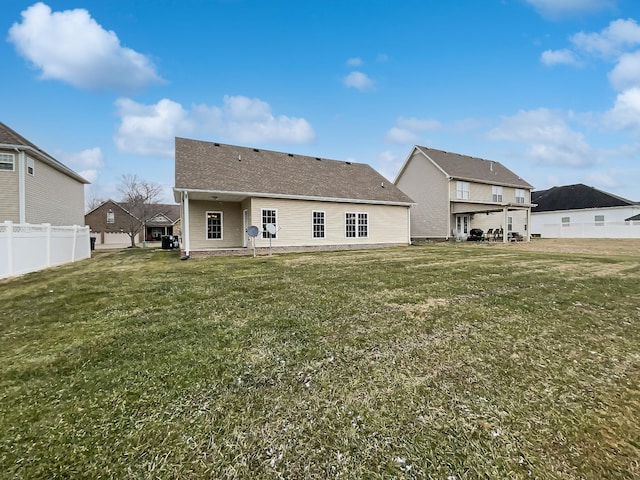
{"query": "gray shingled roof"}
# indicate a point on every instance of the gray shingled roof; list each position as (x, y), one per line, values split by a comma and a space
(10, 137)
(575, 197)
(219, 167)
(463, 167)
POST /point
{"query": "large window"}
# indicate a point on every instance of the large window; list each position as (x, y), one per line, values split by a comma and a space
(356, 225)
(565, 221)
(6, 161)
(509, 224)
(497, 193)
(520, 195)
(318, 224)
(269, 216)
(462, 190)
(214, 225)
(599, 219)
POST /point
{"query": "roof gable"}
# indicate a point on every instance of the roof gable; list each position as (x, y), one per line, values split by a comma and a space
(10, 137)
(463, 167)
(575, 197)
(219, 167)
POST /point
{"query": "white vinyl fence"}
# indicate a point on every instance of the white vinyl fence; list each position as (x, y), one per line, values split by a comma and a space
(27, 248)
(589, 230)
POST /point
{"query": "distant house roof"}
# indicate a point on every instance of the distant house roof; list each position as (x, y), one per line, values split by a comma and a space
(575, 197)
(217, 167)
(463, 167)
(156, 211)
(635, 218)
(11, 139)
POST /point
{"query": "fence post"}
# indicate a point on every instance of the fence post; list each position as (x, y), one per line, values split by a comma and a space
(47, 232)
(75, 239)
(9, 225)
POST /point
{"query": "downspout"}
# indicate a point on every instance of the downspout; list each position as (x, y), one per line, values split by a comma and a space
(448, 209)
(409, 224)
(22, 187)
(185, 233)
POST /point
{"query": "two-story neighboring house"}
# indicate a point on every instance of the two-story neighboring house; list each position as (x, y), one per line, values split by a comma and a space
(455, 193)
(35, 187)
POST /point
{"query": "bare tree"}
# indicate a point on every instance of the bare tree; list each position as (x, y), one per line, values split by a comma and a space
(93, 202)
(139, 198)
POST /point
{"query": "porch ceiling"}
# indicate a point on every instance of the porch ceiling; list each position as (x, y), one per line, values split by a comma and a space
(217, 196)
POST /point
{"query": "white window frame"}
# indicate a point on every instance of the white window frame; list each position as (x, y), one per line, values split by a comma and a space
(599, 220)
(31, 166)
(266, 234)
(509, 224)
(357, 224)
(565, 221)
(520, 196)
(111, 217)
(7, 159)
(314, 224)
(462, 190)
(496, 192)
(206, 232)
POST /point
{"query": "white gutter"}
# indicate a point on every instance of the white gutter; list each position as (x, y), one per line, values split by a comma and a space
(294, 197)
(49, 160)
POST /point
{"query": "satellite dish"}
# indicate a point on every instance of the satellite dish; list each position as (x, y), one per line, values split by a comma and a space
(253, 231)
(271, 228)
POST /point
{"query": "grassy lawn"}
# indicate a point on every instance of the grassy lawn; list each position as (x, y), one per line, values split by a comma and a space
(442, 361)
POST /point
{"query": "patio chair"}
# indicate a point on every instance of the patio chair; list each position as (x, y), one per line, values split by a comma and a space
(497, 234)
(489, 234)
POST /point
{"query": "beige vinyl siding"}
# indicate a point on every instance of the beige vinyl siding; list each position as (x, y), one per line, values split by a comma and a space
(232, 232)
(53, 197)
(387, 224)
(481, 192)
(9, 201)
(428, 187)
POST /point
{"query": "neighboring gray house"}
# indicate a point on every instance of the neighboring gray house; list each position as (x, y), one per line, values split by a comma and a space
(313, 203)
(455, 193)
(580, 211)
(35, 187)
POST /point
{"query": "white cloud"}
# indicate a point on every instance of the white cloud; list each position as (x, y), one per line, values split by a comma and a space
(401, 135)
(359, 81)
(382, 57)
(625, 114)
(559, 57)
(547, 137)
(354, 62)
(617, 37)
(555, 9)
(626, 73)
(72, 47)
(407, 130)
(150, 129)
(86, 162)
(389, 164)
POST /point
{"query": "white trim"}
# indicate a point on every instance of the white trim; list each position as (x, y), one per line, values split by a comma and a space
(31, 163)
(461, 191)
(46, 159)
(263, 228)
(22, 187)
(6, 162)
(245, 226)
(206, 230)
(293, 197)
(185, 233)
(324, 225)
(357, 225)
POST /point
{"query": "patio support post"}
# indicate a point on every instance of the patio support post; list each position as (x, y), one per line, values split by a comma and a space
(185, 227)
(505, 234)
(528, 220)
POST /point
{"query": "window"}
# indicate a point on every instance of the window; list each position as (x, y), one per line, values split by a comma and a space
(31, 166)
(356, 225)
(520, 195)
(268, 216)
(214, 225)
(509, 224)
(497, 193)
(318, 224)
(6, 161)
(462, 190)
(566, 221)
(599, 220)
(111, 217)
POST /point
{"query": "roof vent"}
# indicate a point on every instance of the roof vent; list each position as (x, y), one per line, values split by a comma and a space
(216, 144)
(239, 157)
(290, 154)
(318, 158)
(256, 150)
(348, 163)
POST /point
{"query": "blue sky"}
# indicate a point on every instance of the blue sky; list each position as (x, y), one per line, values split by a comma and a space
(550, 88)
